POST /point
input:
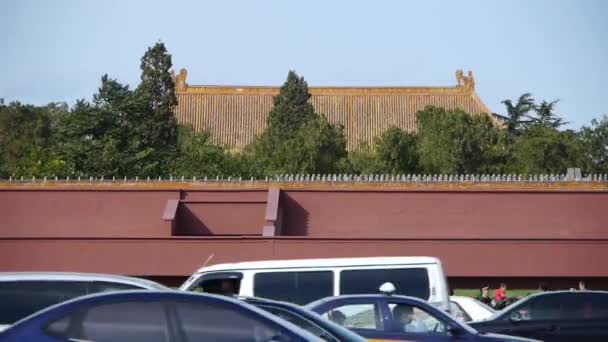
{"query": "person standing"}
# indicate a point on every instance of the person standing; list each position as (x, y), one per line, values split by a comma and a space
(484, 295)
(582, 286)
(500, 296)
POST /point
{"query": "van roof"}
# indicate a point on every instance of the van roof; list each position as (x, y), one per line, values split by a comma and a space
(327, 262)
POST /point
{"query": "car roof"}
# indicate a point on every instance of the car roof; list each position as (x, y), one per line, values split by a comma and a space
(365, 297)
(552, 293)
(75, 276)
(326, 262)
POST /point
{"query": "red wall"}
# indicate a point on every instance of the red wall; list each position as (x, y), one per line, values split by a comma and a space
(84, 213)
(446, 215)
(483, 233)
(181, 256)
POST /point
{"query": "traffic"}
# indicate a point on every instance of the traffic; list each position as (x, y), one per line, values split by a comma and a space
(346, 299)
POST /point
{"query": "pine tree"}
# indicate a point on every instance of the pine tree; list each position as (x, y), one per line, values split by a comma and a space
(291, 109)
(157, 90)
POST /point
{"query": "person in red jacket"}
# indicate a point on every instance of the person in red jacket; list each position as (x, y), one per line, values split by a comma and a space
(501, 293)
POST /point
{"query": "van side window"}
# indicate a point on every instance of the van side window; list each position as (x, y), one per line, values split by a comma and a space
(295, 287)
(224, 283)
(408, 281)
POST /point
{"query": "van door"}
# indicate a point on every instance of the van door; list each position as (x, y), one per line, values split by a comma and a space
(224, 283)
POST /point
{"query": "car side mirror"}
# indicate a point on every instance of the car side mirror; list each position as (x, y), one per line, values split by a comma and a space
(515, 317)
(454, 330)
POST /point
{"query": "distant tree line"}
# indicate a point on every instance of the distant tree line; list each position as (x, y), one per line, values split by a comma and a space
(126, 132)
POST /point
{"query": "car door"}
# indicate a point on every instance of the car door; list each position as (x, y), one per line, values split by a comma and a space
(538, 318)
(211, 321)
(114, 322)
(363, 316)
(414, 322)
(584, 317)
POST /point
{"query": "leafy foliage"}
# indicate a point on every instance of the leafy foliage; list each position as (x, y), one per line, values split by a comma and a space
(393, 152)
(454, 142)
(124, 132)
(297, 140)
(199, 157)
(595, 140)
(26, 140)
(291, 109)
(542, 149)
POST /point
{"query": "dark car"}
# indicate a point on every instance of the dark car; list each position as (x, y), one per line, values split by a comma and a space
(385, 317)
(554, 316)
(307, 320)
(154, 316)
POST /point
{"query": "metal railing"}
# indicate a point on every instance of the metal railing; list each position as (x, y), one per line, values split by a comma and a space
(338, 178)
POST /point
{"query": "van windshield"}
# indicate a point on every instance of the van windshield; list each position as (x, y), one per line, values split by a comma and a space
(408, 281)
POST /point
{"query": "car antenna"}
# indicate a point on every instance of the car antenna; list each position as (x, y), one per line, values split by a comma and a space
(208, 259)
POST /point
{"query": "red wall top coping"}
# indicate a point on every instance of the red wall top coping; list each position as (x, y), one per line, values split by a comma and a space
(309, 186)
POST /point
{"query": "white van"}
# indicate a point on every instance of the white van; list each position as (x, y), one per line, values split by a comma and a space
(306, 280)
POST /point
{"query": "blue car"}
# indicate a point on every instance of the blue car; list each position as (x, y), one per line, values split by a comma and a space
(154, 316)
(398, 318)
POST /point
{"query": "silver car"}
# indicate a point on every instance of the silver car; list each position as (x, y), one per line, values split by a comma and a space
(23, 293)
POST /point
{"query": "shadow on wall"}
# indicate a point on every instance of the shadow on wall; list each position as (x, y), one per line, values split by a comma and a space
(295, 218)
(188, 223)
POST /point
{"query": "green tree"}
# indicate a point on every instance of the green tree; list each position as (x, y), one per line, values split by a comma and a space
(27, 142)
(397, 151)
(546, 116)
(595, 140)
(364, 160)
(454, 142)
(199, 156)
(518, 115)
(291, 109)
(155, 124)
(297, 140)
(393, 152)
(541, 149)
(91, 142)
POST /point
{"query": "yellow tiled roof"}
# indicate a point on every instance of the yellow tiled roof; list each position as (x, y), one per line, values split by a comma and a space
(235, 115)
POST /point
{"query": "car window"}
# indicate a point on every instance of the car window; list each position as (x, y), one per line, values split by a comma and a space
(218, 322)
(119, 322)
(106, 286)
(299, 321)
(295, 287)
(581, 305)
(356, 316)
(19, 299)
(458, 312)
(540, 307)
(408, 281)
(412, 319)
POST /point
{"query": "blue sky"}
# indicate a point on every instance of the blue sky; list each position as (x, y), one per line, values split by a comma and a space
(58, 50)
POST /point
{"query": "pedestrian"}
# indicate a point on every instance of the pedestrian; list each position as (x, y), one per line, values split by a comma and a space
(500, 297)
(582, 286)
(484, 295)
(543, 287)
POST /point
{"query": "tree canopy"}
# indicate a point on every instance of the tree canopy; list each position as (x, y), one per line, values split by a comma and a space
(133, 132)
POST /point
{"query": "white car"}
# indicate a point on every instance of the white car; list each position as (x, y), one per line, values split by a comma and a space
(467, 309)
(23, 293)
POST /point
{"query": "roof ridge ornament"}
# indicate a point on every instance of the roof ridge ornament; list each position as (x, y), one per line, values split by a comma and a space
(465, 82)
(180, 79)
